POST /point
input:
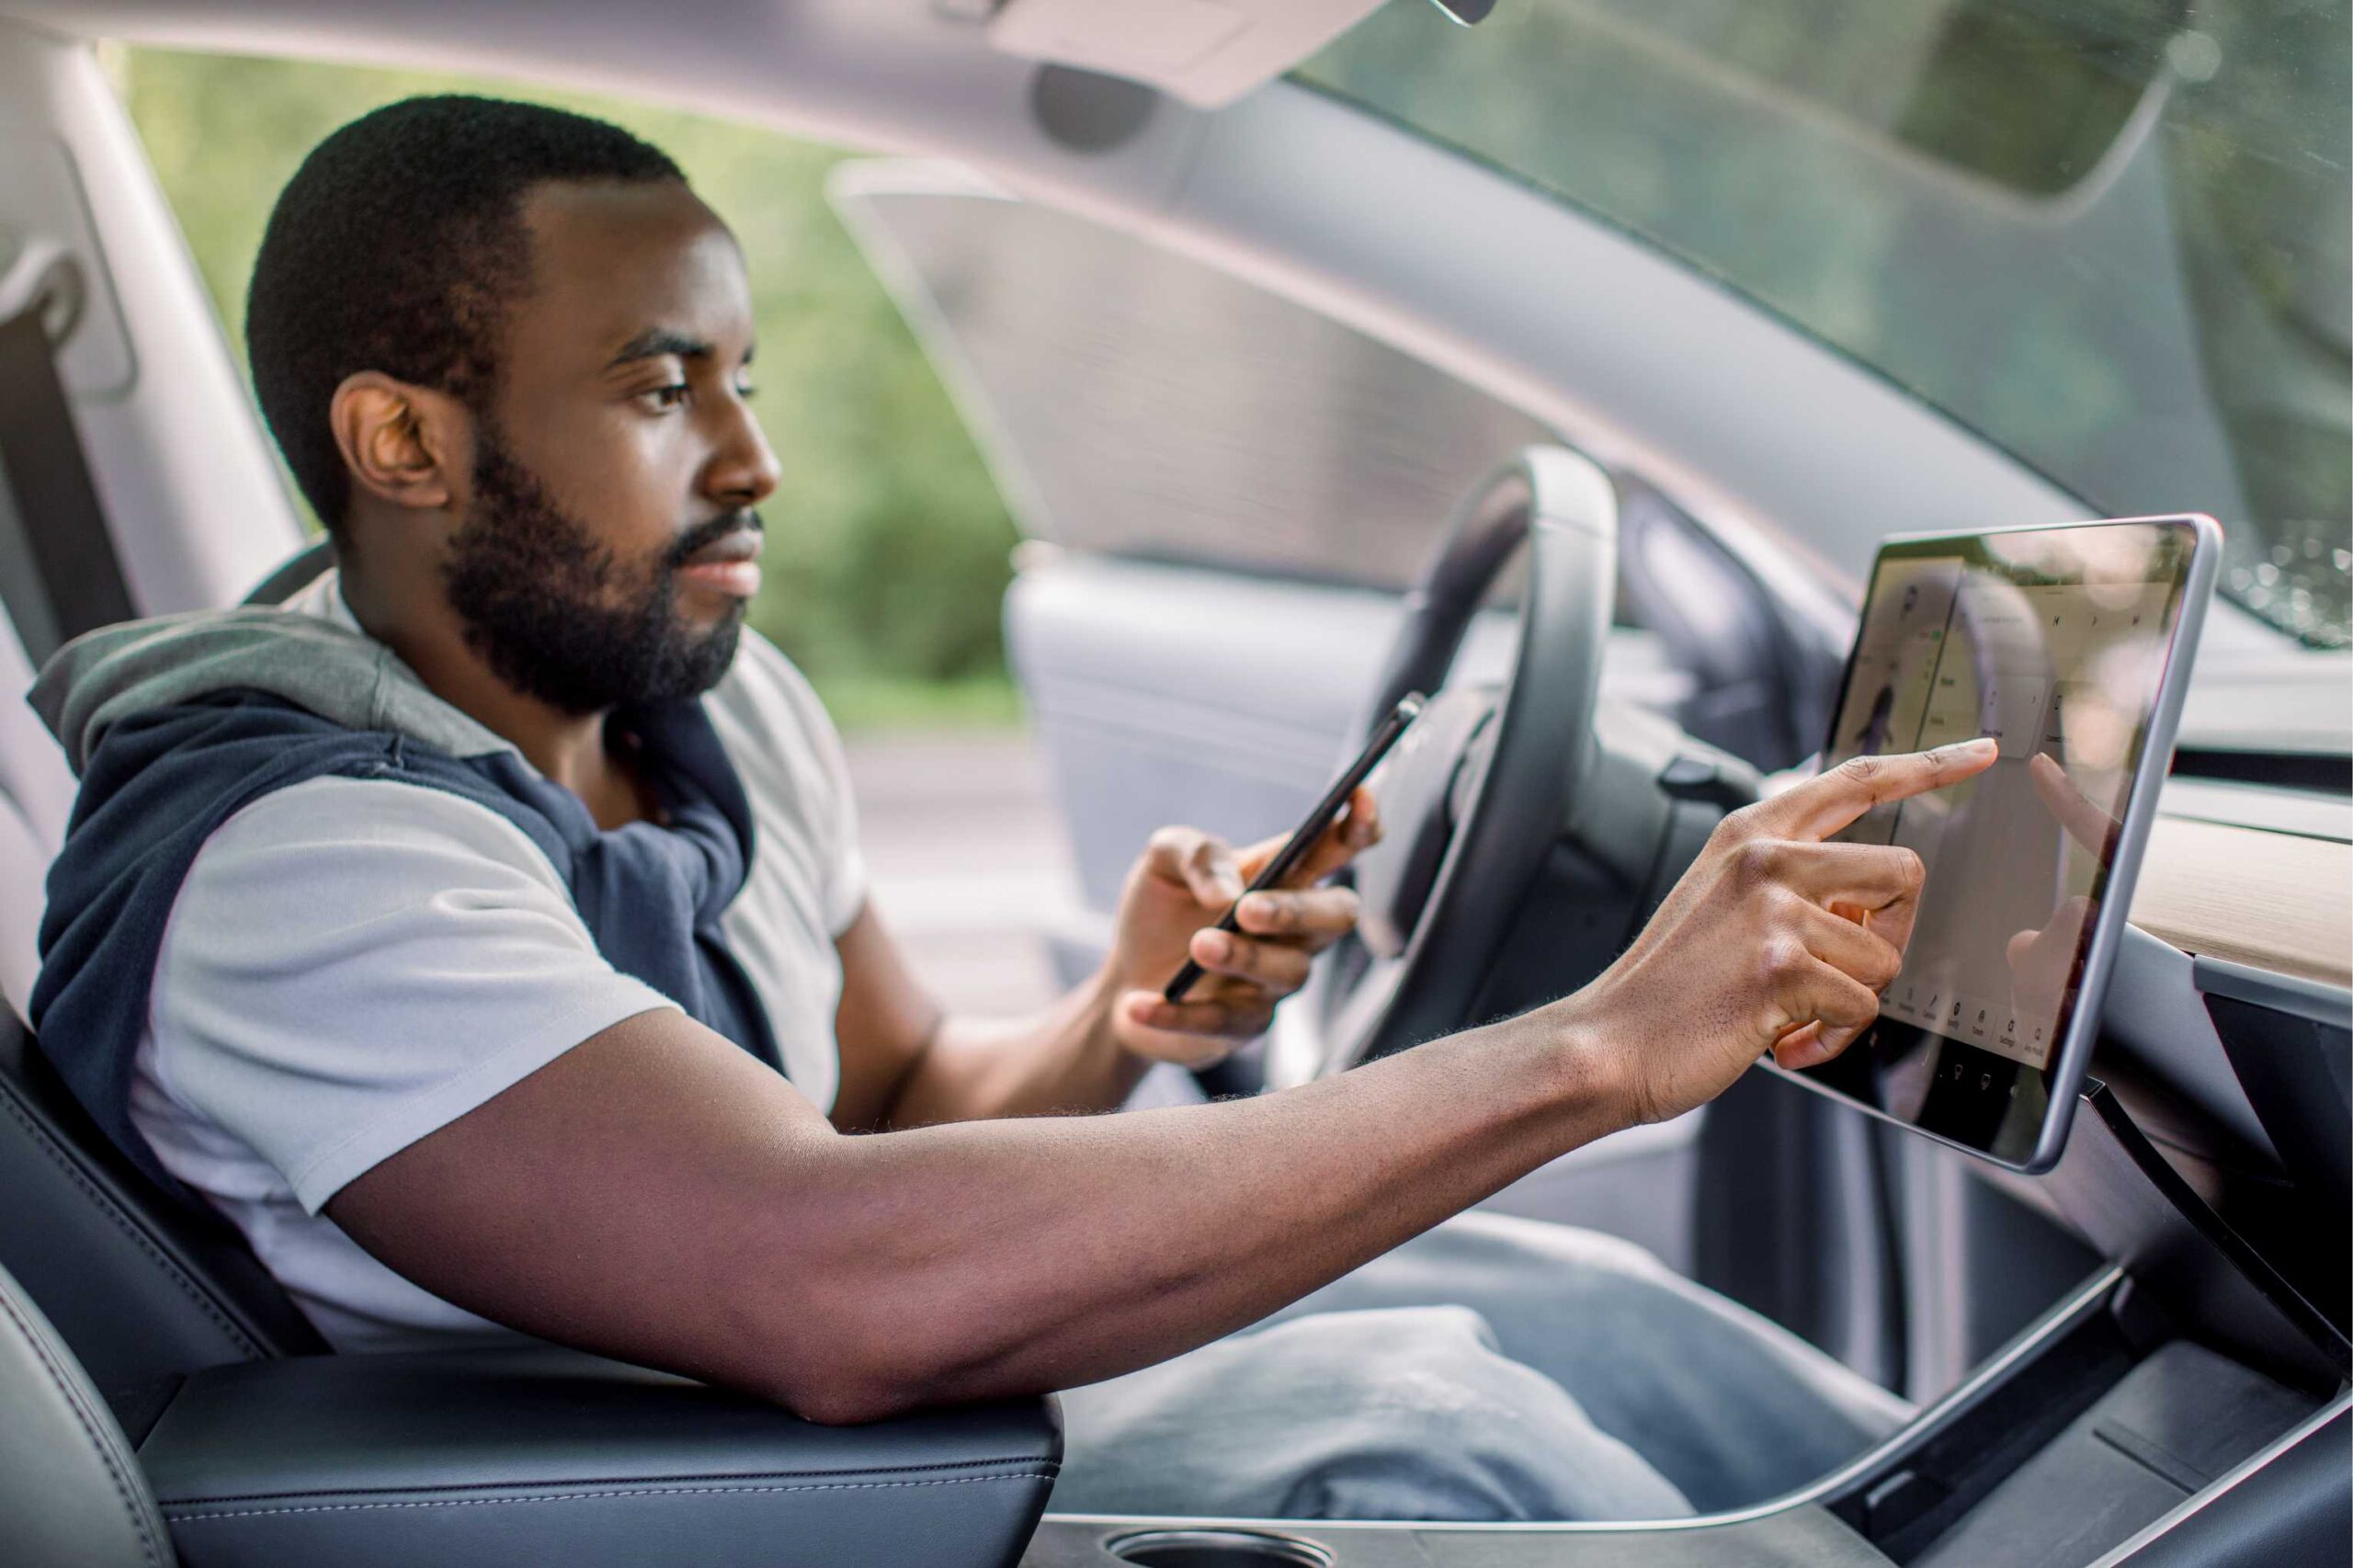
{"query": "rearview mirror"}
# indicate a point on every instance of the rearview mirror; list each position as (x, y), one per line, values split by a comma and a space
(2034, 99)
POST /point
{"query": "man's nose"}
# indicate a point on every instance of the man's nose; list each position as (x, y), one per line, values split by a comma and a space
(743, 470)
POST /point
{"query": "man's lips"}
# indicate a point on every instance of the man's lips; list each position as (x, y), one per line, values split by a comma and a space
(729, 565)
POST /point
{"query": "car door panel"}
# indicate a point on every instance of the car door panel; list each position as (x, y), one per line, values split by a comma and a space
(1163, 693)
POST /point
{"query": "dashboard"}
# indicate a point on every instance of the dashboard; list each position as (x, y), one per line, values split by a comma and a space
(2273, 893)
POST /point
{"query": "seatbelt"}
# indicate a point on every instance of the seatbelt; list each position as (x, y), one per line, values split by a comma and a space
(77, 577)
(284, 581)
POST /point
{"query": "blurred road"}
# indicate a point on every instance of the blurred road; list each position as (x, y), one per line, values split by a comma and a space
(967, 858)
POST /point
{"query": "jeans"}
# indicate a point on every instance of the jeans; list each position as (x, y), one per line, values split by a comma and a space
(1493, 1369)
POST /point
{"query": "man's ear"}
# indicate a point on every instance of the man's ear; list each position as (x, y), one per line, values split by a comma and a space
(399, 441)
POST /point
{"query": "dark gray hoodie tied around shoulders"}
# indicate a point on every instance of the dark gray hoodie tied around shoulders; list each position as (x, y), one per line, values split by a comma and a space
(175, 724)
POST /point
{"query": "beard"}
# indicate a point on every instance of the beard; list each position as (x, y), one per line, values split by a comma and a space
(556, 617)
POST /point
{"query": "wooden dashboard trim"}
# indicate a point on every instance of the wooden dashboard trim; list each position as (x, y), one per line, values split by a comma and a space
(2276, 901)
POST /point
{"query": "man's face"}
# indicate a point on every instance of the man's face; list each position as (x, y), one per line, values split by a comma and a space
(609, 547)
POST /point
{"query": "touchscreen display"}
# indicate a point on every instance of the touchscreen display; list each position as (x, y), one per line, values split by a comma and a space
(2053, 641)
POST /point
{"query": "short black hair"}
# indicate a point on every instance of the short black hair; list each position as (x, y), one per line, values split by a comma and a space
(397, 246)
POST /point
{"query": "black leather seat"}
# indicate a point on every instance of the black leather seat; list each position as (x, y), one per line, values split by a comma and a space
(141, 1340)
(473, 1458)
(264, 1450)
(469, 1458)
(145, 1287)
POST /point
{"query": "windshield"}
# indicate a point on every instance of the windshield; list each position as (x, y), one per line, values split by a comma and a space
(2109, 236)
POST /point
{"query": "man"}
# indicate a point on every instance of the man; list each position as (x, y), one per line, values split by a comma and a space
(484, 933)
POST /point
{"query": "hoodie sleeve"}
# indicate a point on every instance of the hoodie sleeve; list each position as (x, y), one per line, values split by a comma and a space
(352, 964)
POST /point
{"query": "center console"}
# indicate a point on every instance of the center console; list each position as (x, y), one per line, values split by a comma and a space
(2186, 1407)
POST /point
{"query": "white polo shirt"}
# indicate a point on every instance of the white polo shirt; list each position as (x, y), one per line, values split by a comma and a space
(353, 963)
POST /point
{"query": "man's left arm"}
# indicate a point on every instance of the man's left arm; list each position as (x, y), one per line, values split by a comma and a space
(905, 1063)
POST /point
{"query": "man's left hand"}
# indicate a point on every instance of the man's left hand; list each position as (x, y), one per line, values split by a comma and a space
(1184, 881)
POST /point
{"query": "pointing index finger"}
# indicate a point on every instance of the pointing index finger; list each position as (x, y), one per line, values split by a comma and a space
(1822, 806)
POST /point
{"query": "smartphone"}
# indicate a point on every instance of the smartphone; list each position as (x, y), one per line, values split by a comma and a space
(1318, 822)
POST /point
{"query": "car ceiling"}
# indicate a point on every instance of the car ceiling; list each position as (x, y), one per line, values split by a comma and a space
(884, 74)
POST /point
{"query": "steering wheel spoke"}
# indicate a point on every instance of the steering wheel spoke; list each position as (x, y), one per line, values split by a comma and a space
(1478, 790)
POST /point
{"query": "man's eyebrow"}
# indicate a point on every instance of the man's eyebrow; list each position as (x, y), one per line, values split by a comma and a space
(658, 341)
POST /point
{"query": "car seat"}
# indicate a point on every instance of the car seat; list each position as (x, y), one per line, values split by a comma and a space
(142, 1284)
(160, 1351)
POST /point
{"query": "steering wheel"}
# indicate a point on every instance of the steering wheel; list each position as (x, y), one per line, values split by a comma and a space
(1478, 790)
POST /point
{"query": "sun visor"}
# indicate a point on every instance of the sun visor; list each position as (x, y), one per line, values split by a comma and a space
(1204, 53)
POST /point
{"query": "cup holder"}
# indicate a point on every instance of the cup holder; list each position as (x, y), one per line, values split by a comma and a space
(1218, 1549)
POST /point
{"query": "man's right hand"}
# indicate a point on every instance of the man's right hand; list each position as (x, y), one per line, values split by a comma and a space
(1773, 939)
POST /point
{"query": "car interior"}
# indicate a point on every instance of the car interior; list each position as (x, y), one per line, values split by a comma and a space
(1312, 379)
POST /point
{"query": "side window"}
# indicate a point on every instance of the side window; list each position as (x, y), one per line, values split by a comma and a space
(1135, 401)
(882, 502)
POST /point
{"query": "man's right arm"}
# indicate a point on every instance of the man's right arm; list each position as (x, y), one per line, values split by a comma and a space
(657, 1195)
